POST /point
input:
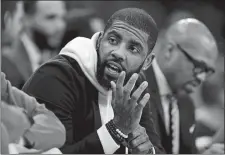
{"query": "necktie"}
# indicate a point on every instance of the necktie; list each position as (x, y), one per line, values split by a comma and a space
(171, 100)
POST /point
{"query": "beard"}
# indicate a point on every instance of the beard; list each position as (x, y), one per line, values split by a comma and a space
(41, 40)
(105, 81)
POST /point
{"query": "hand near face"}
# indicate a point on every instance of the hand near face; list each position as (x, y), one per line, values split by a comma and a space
(127, 112)
(217, 148)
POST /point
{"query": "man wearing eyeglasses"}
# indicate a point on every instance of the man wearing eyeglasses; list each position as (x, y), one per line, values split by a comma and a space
(185, 57)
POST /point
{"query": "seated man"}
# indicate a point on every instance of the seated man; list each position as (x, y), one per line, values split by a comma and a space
(86, 87)
(22, 116)
(185, 57)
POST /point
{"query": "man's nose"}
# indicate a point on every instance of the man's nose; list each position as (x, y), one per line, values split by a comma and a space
(119, 53)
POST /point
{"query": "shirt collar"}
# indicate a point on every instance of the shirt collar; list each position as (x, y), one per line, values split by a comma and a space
(32, 50)
(164, 88)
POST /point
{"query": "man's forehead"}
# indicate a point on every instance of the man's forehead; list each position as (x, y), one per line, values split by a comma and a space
(200, 48)
(120, 25)
(48, 7)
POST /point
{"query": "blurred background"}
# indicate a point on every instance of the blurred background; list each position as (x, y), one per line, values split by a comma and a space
(35, 31)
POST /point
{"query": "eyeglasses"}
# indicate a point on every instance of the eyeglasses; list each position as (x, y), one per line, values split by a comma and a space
(199, 66)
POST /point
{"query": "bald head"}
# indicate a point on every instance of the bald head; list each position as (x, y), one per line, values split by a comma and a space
(193, 34)
(187, 54)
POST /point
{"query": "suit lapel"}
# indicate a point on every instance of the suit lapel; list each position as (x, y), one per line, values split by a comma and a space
(154, 91)
(22, 60)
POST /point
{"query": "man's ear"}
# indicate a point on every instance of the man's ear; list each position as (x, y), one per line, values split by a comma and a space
(169, 50)
(148, 61)
(100, 36)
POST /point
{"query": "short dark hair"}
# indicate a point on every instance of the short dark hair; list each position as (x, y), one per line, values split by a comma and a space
(29, 7)
(139, 19)
(9, 6)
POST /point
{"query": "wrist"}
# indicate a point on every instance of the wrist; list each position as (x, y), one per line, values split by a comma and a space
(116, 134)
(118, 126)
(151, 150)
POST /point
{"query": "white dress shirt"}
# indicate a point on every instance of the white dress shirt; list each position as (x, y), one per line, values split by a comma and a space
(164, 90)
(32, 51)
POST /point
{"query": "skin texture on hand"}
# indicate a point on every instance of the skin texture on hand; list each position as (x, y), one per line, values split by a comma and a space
(217, 148)
(138, 141)
(127, 112)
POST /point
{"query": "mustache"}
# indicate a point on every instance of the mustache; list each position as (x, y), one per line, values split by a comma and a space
(116, 61)
(41, 40)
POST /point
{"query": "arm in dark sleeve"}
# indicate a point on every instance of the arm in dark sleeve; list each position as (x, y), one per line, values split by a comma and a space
(56, 86)
(148, 120)
(148, 123)
(47, 131)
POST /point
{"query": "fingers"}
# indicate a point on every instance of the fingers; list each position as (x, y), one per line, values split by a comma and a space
(113, 86)
(130, 85)
(137, 132)
(218, 148)
(136, 95)
(143, 102)
(215, 149)
(138, 140)
(142, 148)
(120, 80)
(119, 85)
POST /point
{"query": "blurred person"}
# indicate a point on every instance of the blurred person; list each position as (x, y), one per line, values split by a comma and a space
(45, 23)
(11, 15)
(81, 22)
(88, 86)
(24, 119)
(185, 56)
(209, 104)
(43, 29)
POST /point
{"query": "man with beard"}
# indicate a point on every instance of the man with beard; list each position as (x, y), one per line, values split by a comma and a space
(186, 55)
(91, 87)
(43, 29)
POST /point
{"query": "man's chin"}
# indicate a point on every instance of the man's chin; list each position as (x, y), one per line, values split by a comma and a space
(186, 90)
(105, 82)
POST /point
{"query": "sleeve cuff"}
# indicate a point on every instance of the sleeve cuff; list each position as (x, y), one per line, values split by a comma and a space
(153, 150)
(108, 144)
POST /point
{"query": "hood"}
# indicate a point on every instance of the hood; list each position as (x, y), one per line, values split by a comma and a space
(83, 50)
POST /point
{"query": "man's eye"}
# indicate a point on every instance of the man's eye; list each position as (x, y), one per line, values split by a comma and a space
(134, 49)
(112, 40)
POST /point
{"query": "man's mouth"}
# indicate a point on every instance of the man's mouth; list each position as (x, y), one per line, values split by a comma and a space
(113, 69)
(195, 83)
(191, 86)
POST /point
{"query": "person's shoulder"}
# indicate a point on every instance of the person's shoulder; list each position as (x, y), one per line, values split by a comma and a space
(62, 67)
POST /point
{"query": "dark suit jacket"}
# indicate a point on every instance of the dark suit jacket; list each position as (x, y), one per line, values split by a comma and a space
(16, 64)
(186, 113)
(63, 87)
